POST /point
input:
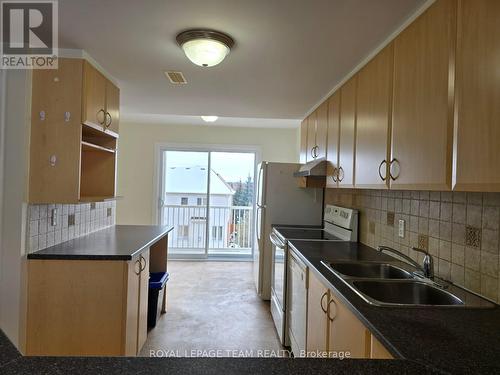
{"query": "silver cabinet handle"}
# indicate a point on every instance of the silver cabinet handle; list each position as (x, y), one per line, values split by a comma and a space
(143, 267)
(137, 271)
(390, 169)
(379, 172)
(338, 174)
(316, 148)
(104, 118)
(106, 123)
(312, 153)
(331, 318)
(321, 303)
(335, 172)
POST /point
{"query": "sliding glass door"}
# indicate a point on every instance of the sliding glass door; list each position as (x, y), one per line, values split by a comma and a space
(208, 196)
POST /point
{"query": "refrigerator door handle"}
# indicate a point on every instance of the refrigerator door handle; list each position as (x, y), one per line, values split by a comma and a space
(259, 188)
(258, 224)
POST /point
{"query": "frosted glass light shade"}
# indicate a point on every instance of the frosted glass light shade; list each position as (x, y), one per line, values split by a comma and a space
(205, 52)
(209, 118)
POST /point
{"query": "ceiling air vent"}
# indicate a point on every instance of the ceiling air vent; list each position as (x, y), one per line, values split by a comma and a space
(176, 78)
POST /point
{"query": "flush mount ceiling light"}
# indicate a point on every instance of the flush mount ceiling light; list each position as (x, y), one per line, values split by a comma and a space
(209, 118)
(205, 47)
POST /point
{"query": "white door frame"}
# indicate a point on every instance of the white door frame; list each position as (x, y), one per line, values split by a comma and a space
(161, 147)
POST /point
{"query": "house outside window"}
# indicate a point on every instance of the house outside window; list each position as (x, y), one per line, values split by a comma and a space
(184, 201)
(201, 201)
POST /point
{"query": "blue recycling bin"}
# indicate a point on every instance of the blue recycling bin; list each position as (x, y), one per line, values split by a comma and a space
(157, 282)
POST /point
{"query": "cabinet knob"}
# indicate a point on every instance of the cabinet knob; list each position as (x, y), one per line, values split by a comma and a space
(53, 160)
(42, 115)
(67, 116)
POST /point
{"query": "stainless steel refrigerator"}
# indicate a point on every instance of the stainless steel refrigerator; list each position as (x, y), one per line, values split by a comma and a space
(279, 200)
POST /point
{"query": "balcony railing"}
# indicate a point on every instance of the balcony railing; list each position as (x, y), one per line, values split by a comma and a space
(229, 229)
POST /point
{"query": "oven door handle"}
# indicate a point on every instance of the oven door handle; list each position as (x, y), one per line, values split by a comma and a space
(276, 241)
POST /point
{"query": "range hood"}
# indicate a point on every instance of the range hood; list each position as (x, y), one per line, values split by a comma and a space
(315, 168)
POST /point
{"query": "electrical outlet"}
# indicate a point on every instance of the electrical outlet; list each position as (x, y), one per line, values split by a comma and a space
(401, 231)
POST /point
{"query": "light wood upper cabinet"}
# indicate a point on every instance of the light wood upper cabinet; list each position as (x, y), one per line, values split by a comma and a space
(477, 143)
(321, 130)
(422, 122)
(317, 321)
(346, 332)
(100, 101)
(373, 116)
(311, 137)
(303, 141)
(70, 162)
(332, 153)
(347, 133)
(56, 133)
(94, 97)
(112, 107)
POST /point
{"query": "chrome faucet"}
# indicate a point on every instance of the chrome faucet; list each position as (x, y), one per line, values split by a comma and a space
(428, 264)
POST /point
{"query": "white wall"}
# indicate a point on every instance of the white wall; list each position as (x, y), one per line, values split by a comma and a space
(137, 153)
(13, 224)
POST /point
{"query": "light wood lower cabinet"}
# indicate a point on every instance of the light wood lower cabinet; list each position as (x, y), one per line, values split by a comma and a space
(378, 351)
(333, 330)
(87, 307)
(317, 321)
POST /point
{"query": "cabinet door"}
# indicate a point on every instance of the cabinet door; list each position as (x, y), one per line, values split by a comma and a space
(311, 136)
(112, 107)
(56, 93)
(317, 321)
(422, 123)
(347, 133)
(303, 141)
(378, 351)
(132, 317)
(478, 97)
(321, 129)
(373, 105)
(346, 332)
(142, 330)
(332, 153)
(94, 97)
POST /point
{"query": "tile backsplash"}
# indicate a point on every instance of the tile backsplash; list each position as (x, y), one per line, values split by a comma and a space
(72, 221)
(460, 230)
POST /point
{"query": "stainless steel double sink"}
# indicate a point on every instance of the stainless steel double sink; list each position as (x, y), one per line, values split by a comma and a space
(388, 284)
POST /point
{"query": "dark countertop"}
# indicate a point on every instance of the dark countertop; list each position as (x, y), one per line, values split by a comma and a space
(455, 340)
(11, 362)
(119, 242)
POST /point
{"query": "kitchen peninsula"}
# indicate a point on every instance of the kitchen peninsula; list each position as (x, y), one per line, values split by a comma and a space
(89, 296)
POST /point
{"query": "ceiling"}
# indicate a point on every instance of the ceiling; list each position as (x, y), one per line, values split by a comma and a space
(288, 53)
